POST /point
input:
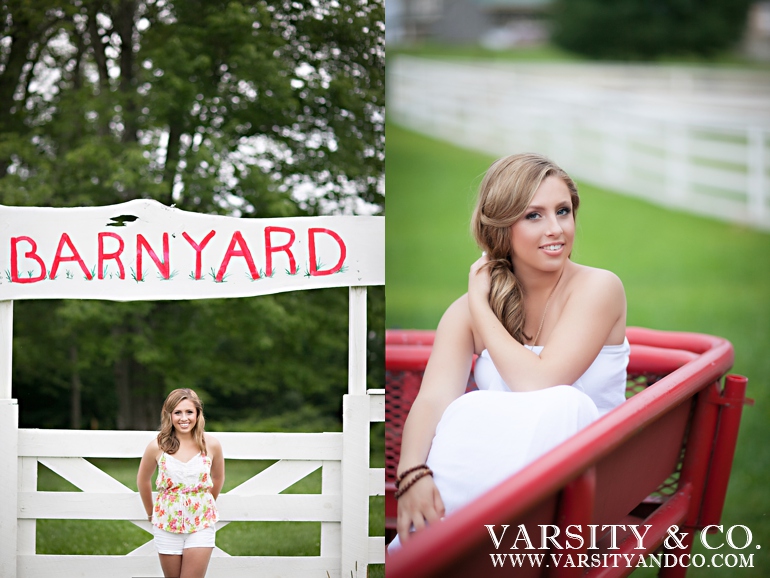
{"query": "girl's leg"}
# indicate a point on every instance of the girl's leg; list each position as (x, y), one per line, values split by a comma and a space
(194, 562)
(171, 564)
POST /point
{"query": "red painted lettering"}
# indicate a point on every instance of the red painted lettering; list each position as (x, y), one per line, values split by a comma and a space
(65, 240)
(163, 266)
(198, 250)
(269, 249)
(315, 264)
(31, 254)
(233, 252)
(114, 255)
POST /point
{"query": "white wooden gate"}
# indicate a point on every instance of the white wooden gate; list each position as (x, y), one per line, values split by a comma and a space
(70, 253)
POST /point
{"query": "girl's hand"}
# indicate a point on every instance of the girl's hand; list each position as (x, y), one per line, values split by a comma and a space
(419, 506)
(479, 283)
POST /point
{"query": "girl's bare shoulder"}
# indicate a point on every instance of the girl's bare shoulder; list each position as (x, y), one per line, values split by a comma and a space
(602, 292)
(212, 443)
(456, 325)
(153, 449)
(598, 280)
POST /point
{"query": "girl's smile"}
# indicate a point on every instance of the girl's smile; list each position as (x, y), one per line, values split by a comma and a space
(553, 250)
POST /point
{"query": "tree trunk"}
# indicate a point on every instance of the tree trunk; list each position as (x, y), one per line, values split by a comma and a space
(101, 66)
(76, 388)
(98, 47)
(139, 391)
(172, 158)
(124, 24)
(122, 372)
(147, 397)
(77, 86)
(21, 39)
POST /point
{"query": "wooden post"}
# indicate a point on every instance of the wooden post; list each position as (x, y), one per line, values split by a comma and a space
(355, 446)
(357, 341)
(6, 348)
(27, 529)
(9, 434)
(331, 483)
(677, 163)
(355, 486)
(756, 176)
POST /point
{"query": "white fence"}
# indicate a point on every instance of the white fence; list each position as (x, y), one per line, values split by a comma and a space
(342, 507)
(692, 138)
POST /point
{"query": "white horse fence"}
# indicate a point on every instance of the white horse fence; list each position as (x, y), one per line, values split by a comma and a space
(356, 244)
(697, 139)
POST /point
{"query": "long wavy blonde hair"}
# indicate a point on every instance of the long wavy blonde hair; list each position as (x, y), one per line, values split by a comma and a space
(167, 440)
(504, 195)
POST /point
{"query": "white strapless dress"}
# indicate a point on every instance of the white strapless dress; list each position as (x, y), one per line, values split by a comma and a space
(487, 435)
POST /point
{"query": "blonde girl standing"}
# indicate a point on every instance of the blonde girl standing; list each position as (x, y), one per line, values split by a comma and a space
(191, 471)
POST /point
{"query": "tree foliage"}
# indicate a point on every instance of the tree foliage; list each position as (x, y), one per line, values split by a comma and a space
(257, 108)
(250, 359)
(647, 29)
(209, 104)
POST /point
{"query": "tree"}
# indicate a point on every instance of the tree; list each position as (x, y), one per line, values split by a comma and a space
(255, 108)
(645, 29)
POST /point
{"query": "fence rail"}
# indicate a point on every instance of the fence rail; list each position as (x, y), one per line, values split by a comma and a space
(690, 138)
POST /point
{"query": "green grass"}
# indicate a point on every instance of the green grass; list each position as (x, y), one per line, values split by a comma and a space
(549, 53)
(545, 53)
(108, 537)
(681, 272)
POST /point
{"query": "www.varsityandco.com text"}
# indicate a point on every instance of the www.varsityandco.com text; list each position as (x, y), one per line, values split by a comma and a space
(509, 542)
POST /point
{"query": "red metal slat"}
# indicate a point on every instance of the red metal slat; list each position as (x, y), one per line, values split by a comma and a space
(695, 342)
(699, 447)
(671, 513)
(576, 509)
(731, 401)
(621, 483)
(646, 359)
(409, 337)
(402, 357)
(443, 564)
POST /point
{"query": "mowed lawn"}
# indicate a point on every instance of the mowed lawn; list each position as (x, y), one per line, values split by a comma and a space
(681, 272)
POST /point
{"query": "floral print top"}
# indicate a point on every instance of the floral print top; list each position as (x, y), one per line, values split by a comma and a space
(184, 503)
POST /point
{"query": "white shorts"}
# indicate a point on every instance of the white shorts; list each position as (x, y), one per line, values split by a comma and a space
(172, 543)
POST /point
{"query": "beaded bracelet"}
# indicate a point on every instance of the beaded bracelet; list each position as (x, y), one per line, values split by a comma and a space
(401, 491)
(403, 474)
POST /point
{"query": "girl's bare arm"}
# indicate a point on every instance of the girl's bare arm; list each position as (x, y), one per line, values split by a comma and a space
(143, 477)
(217, 464)
(445, 379)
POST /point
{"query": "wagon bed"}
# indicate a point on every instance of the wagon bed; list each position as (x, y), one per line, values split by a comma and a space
(662, 458)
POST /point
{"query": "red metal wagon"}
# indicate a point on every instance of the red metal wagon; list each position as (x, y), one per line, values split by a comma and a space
(662, 458)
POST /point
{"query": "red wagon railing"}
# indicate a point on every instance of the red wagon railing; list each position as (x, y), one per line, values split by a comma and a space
(662, 458)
